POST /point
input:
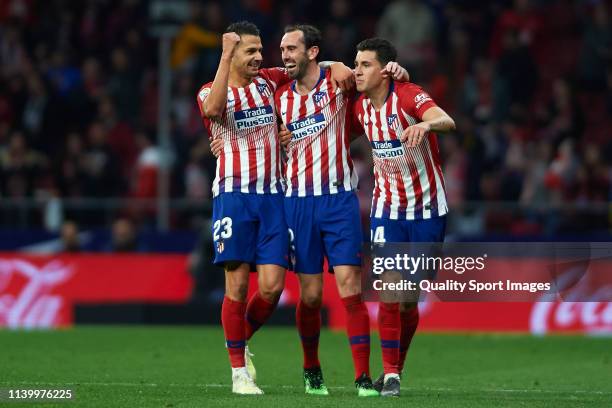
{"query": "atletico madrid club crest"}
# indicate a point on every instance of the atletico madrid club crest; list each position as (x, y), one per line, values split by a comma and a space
(220, 246)
(263, 90)
(320, 98)
(391, 120)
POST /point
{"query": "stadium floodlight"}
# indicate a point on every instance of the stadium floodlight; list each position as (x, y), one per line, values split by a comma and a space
(165, 20)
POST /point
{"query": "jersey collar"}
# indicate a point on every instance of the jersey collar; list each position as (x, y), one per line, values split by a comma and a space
(321, 78)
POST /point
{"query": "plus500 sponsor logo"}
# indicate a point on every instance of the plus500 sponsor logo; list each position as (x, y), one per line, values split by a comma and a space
(250, 118)
(387, 149)
(308, 126)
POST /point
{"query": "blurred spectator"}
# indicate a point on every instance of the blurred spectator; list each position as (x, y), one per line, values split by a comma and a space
(21, 168)
(144, 184)
(124, 85)
(409, 25)
(485, 95)
(197, 177)
(101, 165)
(38, 116)
(185, 112)
(518, 69)
(119, 134)
(194, 35)
(521, 19)
(563, 117)
(70, 168)
(64, 76)
(596, 54)
(339, 33)
(455, 169)
(124, 236)
(255, 11)
(69, 236)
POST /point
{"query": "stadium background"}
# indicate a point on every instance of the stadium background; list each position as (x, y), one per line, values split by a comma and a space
(91, 245)
(529, 84)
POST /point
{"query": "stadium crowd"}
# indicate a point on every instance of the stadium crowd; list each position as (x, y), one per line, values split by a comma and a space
(529, 83)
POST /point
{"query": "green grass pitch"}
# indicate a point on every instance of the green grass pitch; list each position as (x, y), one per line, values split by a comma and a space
(188, 367)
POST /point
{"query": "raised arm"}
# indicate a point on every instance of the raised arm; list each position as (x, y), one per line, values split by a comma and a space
(341, 75)
(215, 103)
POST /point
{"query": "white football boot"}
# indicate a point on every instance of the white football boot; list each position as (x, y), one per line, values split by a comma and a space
(243, 384)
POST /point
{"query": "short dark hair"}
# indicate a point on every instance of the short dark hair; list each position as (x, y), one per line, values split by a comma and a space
(312, 35)
(385, 51)
(243, 28)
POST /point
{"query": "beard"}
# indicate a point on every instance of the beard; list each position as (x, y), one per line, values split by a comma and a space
(300, 69)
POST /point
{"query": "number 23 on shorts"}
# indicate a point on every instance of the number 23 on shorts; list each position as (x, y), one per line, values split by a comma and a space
(225, 225)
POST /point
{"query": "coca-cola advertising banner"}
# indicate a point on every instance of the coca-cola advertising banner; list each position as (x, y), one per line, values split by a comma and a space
(41, 291)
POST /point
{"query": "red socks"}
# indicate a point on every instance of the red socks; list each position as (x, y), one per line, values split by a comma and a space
(257, 313)
(358, 330)
(232, 318)
(389, 331)
(308, 320)
(410, 321)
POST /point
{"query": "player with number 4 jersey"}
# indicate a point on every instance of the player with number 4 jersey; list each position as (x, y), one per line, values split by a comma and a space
(409, 201)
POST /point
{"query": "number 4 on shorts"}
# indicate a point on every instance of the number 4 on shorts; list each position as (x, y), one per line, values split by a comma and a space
(378, 235)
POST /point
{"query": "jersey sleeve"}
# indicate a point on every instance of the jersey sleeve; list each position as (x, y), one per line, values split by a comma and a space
(202, 95)
(276, 76)
(415, 101)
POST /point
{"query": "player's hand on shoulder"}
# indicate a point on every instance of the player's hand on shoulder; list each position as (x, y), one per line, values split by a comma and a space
(395, 71)
(413, 135)
(216, 146)
(342, 77)
(230, 41)
(284, 135)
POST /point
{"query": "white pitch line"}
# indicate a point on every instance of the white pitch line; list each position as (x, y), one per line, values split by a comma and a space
(213, 385)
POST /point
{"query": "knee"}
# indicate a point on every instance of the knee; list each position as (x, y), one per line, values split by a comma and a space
(349, 285)
(237, 291)
(271, 293)
(312, 299)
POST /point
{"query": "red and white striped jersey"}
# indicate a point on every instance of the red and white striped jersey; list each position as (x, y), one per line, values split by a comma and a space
(408, 181)
(318, 159)
(250, 159)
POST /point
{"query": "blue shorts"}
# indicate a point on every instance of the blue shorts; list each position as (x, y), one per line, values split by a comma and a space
(419, 230)
(250, 228)
(429, 230)
(324, 226)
